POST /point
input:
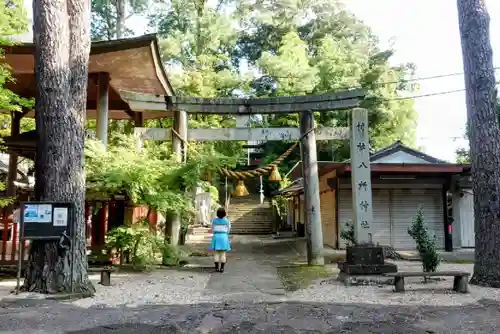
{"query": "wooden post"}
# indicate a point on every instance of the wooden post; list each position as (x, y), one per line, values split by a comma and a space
(173, 226)
(361, 178)
(15, 129)
(314, 232)
(102, 107)
(138, 123)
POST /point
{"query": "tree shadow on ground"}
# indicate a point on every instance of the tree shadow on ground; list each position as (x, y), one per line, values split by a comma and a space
(31, 316)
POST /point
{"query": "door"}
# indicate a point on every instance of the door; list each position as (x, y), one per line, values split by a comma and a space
(381, 228)
(466, 208)
(404, 207)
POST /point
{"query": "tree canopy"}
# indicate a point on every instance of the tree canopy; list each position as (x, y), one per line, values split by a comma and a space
(153, 176)
(284, 47)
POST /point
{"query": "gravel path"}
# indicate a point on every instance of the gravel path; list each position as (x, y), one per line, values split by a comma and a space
(248, 299)
(165, 287)
(433, 293)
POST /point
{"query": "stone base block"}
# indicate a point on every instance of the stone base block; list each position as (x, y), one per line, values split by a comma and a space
(359, 280)
(367, 269)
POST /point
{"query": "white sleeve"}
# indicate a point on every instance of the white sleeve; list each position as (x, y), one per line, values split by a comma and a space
(228, 226)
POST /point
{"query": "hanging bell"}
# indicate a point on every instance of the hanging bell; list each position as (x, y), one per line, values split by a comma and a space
(275, 175)
(240, 190)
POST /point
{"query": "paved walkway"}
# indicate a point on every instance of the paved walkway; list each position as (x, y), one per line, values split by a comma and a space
(247, 298)
(247, 277)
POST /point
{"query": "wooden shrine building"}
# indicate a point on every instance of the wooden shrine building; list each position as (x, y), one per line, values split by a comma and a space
(120, 65)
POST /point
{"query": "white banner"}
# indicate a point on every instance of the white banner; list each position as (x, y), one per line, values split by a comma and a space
(220, 228)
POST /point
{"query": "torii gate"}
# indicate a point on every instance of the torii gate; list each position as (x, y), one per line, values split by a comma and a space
(305, 106)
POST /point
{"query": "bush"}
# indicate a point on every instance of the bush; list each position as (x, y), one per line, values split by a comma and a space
(347, 233)
(143, 246)
(171, 255)
(426, 244)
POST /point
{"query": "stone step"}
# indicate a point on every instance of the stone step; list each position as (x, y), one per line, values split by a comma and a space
(252, 232)
(200, 230)
(250, 220)
(198, 237)
(250, 217)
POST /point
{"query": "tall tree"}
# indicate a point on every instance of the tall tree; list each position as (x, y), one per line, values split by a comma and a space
(484, 137)
(109, 17)
(318, 46)
(198, 38)
(290, 47)
(62, 44)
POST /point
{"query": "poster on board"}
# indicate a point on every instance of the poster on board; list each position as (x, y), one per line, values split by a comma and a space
(37, 213)
(60, 216)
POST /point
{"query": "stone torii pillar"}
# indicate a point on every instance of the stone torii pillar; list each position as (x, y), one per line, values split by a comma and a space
(314, 230)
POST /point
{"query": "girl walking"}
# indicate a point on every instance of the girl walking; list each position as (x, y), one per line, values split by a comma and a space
(220, 239)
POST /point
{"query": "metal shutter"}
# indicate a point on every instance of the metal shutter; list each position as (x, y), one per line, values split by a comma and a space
(404, 208)
(327, 205)
(381, 228)
(381, 217)
(467, 232)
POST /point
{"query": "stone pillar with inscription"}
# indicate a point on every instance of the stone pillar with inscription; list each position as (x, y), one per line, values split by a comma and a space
(364, 258)
(361, 182)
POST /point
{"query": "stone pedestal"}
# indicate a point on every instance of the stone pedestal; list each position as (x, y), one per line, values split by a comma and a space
(365, 260)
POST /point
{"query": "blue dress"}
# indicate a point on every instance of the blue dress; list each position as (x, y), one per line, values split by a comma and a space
(220, 238)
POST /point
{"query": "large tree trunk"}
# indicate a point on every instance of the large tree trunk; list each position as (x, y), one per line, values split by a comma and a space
(484, 137)
(62, 43)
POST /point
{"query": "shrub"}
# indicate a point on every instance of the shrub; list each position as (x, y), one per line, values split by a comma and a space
(144, 247)
(426, 244)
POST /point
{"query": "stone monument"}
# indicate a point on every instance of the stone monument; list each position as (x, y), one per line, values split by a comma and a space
(363, 258)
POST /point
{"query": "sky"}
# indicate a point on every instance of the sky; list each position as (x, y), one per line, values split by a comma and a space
(424, 32)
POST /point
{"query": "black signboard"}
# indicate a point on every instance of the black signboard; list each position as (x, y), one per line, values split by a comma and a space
(46, 220)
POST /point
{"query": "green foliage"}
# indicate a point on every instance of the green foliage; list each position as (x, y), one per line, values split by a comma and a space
(347, 234)
(152, 177)
(328, 49)
(105, 17)
(197, 39)
(144, 247)
(289, 53)
(12, 22)
(462, 156)
(426, 244)
(280, 202)
(4, 201)
(171, 255)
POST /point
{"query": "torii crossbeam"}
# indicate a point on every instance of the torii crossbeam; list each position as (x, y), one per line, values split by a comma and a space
(238, 106)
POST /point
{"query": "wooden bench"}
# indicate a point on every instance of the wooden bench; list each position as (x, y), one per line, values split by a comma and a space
(105, 274)
(460, 282)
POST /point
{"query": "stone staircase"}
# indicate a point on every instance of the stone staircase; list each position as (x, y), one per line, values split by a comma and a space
(248, 216)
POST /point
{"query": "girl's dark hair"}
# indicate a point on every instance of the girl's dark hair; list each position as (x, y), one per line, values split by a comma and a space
(221, 213)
